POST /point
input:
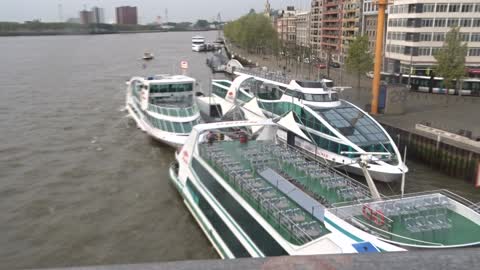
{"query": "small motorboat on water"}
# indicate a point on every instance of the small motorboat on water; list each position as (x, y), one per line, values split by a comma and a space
(148, 56)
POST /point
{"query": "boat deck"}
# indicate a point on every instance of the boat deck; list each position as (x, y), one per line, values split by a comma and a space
(427, 220)
(290, 191)
(265, 186)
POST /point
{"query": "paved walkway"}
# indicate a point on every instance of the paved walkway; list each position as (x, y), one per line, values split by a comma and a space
(445, 112)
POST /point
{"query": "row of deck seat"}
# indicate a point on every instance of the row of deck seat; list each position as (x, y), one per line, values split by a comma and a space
(285, 214)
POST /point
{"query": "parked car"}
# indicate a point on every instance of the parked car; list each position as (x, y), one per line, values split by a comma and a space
(369, 74)
(321, 66)
(306, 60)
(334, 64)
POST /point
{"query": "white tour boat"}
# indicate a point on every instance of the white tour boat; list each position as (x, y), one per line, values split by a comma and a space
(255, 196)
(198, 43)
(163, 106)
(330, 126)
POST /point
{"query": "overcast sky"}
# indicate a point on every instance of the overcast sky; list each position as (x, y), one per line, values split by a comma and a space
(148, 10)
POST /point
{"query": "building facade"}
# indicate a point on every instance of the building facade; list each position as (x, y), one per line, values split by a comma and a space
(331, 38)
(416, 31)
(86, 17)
(98, 15)
(351, 25)
(316, 26)
(126, 15)
(302, 28)
(286, 27)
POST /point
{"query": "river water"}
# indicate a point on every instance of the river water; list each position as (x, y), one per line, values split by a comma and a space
(79, 183)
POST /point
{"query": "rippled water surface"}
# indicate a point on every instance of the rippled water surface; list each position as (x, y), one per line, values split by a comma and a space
(79, 183)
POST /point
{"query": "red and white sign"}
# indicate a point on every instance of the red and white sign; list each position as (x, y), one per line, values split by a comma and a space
(477, 182)
(184, 65)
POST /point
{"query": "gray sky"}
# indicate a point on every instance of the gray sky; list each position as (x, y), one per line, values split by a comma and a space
(178, 10)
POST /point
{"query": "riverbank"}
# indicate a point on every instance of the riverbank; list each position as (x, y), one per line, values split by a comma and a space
(81, 33)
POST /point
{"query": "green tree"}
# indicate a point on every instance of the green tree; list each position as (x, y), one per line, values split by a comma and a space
(202, 24)
(451, 58)
(359, 59)
(253, 32)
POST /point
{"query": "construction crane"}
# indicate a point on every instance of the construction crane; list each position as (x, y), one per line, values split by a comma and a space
(382, 5)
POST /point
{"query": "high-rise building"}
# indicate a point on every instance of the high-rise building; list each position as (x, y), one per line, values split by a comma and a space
(350, 25)
(86, 17)
(302, 28)
(98, 15)
(416, 31)
(316, 26)
(126, 15)
(331, 38)
(369, 22)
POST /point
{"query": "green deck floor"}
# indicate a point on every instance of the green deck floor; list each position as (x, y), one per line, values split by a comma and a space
(234, 149)
(463, 230)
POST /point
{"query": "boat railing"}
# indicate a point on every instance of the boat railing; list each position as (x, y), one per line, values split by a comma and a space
(411, 196)
(274, 206)
(176, 112)
(327, 166)
(269, 75)
(476, 207)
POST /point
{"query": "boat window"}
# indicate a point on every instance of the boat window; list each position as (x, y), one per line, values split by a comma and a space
(321, 97)
(328, 84)
(354, 124)
(291, 93)
(310, 84)
(171, 88)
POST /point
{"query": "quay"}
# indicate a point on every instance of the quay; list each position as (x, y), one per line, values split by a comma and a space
(405, 111)
(419, 260)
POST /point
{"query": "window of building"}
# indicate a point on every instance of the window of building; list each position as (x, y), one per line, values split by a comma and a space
(477, 8)
(465, 36)
(425, 36)
(424, 51)
(475, 37)
(474, 52)
(428, 22)
(454, 8)
(438, 36)
(440, 22)
(467, 22)
(435, 50)
(476, 23)
(452, 22)
(428, 7)
(467, 7)
(442, 7)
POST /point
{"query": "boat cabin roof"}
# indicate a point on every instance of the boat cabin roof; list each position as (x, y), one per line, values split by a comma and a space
(311, 87)
(168, 79)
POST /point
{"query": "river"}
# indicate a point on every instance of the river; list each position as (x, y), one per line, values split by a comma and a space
(79, 183)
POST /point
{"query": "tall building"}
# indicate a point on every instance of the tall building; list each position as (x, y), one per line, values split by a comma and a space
(416, 31)
(369, 22)
(267, 11)
(302, 28)
(126, 15)
(350, 25)
(316, 26)
(86, 17)
(98, 15)
(331, 38)
(286, 27)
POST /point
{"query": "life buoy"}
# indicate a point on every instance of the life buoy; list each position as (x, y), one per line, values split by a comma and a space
(367, 212)
(379, 218)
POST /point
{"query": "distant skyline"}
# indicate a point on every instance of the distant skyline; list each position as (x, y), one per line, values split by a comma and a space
(148, 10)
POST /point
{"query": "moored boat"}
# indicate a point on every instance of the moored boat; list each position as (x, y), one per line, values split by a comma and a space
(163, 106)
(253, 195)
(198, 44)
(330, 126)
(148, 56)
